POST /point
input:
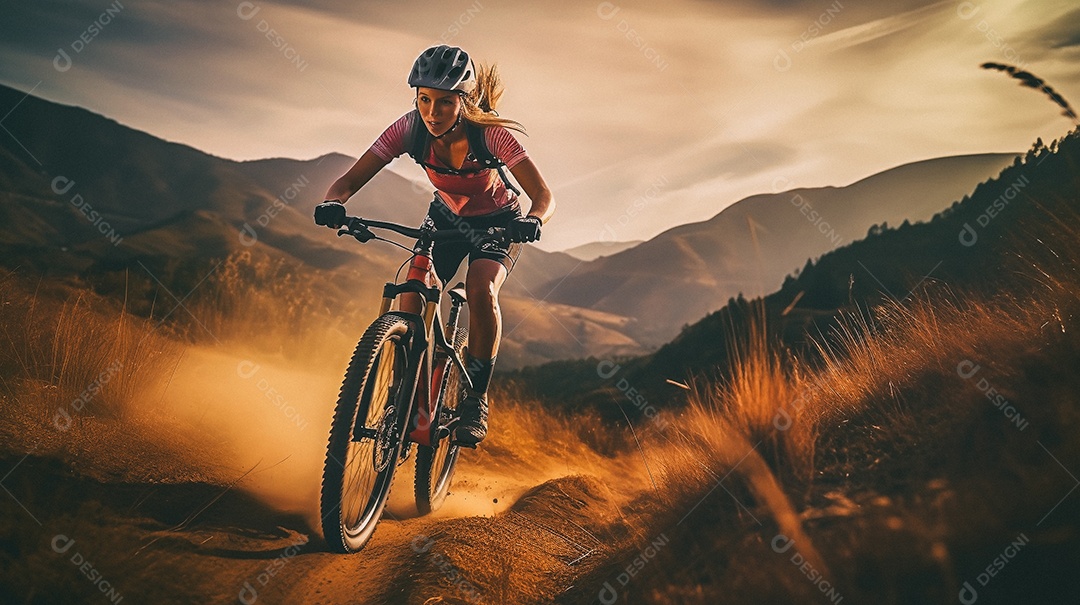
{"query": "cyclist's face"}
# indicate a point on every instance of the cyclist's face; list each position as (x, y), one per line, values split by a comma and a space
(438, 108)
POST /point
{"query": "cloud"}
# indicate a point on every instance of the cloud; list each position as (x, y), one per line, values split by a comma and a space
(800, 10)
(1061, 33)
(689, 91)
(880, 28)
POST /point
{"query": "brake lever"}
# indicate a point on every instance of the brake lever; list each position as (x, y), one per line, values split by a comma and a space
(498, 235)
(361, 233)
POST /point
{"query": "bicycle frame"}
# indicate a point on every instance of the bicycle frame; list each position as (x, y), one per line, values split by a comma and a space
(418, 403)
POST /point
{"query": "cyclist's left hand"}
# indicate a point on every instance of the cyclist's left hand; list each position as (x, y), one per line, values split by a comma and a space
(525, 229)
(330, 213)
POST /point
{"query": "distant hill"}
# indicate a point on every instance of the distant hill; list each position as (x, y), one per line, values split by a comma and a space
(139, 183)
(688, 271)
(987, 242)
(81, 195)
(595, 250)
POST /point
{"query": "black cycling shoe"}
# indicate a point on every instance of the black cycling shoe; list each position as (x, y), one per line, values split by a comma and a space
(471, 427)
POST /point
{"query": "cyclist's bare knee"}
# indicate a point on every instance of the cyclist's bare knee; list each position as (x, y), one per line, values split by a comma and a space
(483, 283)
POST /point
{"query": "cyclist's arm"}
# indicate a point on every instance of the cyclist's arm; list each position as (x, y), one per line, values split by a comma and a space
(528, 176)
(357, 176)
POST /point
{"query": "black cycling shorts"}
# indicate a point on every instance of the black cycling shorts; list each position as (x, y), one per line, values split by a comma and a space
(447, 255)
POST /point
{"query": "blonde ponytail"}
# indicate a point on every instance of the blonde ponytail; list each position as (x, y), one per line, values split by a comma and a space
(479, 105)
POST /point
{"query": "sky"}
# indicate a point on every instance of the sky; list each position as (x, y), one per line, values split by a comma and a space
(641, 115)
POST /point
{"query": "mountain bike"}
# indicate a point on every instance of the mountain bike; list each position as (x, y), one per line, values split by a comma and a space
(401, 388)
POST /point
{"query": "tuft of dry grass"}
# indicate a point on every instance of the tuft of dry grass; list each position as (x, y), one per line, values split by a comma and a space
(70, 354)
(872, 389)
(778, 407)
(760, 401)
(275, 305)
(522, 433)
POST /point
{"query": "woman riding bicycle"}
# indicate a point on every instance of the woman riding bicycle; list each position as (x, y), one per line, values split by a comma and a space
(453, 96)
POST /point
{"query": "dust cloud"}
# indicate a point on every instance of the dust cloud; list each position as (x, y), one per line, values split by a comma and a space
(272, 416)
(269, 415)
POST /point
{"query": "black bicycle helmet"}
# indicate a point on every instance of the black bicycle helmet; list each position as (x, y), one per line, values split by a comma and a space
(443, 68)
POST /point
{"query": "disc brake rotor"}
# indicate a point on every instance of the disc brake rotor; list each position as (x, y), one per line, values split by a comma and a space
(384, 440)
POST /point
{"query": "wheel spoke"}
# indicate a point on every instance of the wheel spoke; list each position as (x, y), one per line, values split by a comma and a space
(358, 482)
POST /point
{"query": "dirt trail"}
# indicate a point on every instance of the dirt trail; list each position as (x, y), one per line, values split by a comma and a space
(520, 520)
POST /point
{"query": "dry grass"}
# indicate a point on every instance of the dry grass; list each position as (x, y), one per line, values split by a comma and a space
(779, 406)
(876, 359)
(873, 386)
(70, 354)
(274, 305)
(523, 434)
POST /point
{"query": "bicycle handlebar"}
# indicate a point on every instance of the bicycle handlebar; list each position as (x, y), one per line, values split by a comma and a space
(359, 229)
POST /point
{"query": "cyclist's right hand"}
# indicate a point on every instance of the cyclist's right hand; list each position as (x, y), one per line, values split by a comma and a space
(330, 213)
(524, 229)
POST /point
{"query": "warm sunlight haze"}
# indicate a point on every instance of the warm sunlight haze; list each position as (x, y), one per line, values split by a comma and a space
(497, 302)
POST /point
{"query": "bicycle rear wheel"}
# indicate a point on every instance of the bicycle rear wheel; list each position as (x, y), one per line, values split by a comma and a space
(365, 437)
(435, 463)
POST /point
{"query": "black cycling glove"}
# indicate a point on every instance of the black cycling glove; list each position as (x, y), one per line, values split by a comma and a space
(524, 230)
(330, 214)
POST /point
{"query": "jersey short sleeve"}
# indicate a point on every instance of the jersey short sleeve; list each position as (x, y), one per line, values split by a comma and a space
(504, 146)
(394, 140)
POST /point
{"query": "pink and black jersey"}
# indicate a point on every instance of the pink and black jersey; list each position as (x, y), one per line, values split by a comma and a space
(473, 194)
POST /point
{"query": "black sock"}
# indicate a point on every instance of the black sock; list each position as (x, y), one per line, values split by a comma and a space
(479, 371)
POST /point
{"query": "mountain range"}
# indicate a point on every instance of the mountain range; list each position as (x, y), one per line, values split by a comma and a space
(83, 195)
(686, 272)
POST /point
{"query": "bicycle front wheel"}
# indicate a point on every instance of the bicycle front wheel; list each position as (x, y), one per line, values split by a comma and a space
(365, 437)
